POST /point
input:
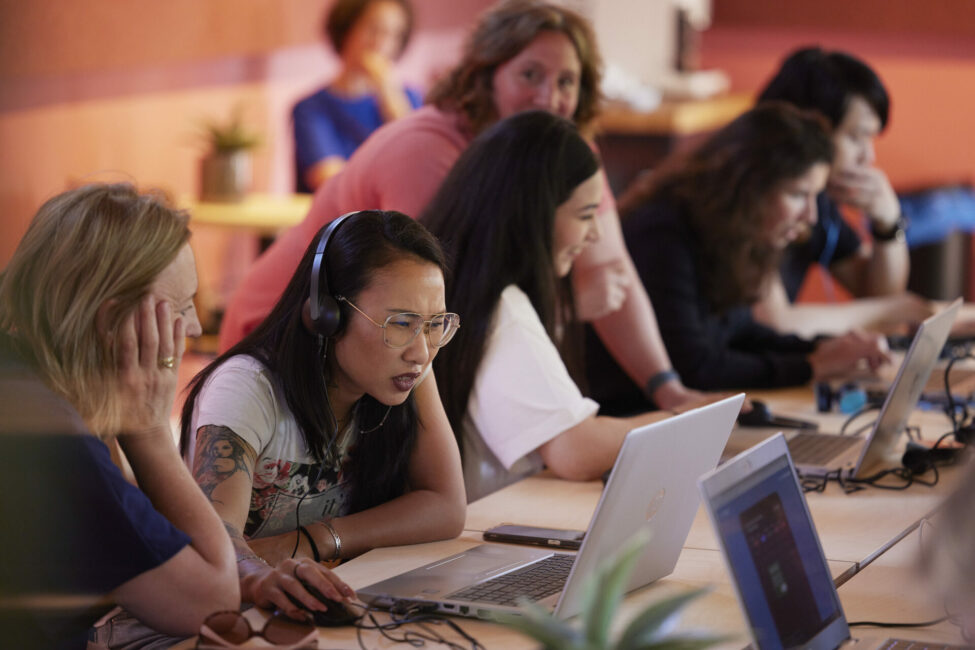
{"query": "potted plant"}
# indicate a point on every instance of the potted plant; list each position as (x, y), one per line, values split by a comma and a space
(649, 630)
(225, 170)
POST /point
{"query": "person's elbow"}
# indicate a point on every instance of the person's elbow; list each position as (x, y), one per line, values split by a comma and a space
(569, 459)
(177, 596)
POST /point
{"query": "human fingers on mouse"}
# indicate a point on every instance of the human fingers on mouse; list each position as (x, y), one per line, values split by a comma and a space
(273, 588)
(325, 581)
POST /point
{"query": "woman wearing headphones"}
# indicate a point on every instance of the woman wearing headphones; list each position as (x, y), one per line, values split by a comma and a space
(320, 435)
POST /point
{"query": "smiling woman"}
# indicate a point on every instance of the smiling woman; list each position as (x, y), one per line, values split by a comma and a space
(321, 435)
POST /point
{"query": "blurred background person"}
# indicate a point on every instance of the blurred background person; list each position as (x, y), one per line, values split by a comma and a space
(368, 36)
(853, 99)
(709, 235)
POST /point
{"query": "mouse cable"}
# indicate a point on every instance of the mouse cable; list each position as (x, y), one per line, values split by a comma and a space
(424, 621)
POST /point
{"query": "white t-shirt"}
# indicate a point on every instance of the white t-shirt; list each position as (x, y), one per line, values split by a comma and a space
(522, 397)
(243, 396)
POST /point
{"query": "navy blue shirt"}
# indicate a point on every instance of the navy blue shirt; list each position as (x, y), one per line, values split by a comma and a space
(327, 124)
(710, 350)
(830, 240)
(72, 525)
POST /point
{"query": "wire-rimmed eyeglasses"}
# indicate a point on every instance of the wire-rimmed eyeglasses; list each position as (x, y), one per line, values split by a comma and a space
(399, 330)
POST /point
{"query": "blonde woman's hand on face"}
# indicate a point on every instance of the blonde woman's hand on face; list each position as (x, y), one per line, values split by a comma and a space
(845, 355)
(600, 290)
(149, 346)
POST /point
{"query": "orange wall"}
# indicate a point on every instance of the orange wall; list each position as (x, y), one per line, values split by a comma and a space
(106, 89)
(924, 52)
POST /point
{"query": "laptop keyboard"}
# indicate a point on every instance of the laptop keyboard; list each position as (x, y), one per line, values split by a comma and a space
(817, 449)
(901, 644)
(534, 582)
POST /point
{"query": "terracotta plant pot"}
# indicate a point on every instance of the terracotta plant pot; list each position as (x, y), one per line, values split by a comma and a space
(225, 176)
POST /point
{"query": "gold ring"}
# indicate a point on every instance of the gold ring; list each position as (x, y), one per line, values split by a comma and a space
(167, 362)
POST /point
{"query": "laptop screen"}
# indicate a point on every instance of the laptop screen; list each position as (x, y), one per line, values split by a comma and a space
(773, 551)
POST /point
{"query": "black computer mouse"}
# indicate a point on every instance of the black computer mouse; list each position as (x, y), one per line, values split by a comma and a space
(338, 613)
(759, 416)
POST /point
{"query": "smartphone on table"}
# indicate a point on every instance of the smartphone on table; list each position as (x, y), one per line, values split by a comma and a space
(551, 537)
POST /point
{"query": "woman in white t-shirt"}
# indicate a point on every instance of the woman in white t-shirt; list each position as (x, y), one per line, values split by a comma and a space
(321, 434)
(515, 211)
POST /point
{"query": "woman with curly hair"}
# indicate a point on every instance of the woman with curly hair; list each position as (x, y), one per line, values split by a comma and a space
(711, 231)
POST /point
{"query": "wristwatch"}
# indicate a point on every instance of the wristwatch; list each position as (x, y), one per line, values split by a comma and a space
(890, 233)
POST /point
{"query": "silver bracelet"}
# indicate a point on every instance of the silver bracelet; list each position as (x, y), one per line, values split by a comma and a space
(335, 537)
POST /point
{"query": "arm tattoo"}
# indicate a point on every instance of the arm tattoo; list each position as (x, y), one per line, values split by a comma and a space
(243, 551)
(220, 453)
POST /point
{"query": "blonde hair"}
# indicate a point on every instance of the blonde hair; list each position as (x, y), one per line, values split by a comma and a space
(88, 246)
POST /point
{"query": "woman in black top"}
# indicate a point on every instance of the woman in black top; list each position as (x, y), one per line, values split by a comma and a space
(708, 234)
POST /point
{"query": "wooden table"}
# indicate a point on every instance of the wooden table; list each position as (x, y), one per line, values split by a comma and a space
(263, 214)
(851, 528)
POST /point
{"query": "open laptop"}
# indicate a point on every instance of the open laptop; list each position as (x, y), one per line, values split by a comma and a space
(823, 453)
(773, 554)
(651, 485)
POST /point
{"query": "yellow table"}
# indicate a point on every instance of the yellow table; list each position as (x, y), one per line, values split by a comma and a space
(263, 214)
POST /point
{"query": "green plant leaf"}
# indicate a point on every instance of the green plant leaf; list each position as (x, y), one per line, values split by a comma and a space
(646, 625)
(540, 625)
(605, 592)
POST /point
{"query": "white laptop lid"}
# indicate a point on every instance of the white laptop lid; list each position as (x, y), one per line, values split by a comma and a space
(772, 551)
(652, 485)
(906, 390)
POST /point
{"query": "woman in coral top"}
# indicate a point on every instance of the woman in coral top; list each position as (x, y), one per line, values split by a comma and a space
(522, 55)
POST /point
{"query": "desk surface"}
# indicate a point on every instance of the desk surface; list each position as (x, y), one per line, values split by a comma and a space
(265, 214)
(851, 527)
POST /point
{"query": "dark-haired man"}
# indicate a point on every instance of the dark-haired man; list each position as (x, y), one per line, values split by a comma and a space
(850, 95)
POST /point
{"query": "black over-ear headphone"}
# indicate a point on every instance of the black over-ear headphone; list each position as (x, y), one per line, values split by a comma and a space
(321, 313)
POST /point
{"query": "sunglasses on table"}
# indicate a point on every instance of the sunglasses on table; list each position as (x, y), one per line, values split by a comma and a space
(231, 629)
(399, 330)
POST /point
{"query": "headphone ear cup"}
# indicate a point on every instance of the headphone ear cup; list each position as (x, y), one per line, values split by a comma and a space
(329, 317)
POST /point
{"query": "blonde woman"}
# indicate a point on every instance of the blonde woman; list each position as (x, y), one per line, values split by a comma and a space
(94, 307)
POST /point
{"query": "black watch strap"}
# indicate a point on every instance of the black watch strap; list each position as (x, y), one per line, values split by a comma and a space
(891, 233)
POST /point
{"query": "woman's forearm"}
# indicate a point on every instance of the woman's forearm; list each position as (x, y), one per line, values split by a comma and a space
(417, 516)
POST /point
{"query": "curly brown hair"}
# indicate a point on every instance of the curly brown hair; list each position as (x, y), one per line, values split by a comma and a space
(501, 33)
(724, 184)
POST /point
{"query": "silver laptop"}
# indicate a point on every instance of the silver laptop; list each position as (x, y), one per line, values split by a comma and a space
(651, 485)
(773, 554)
(823, 453)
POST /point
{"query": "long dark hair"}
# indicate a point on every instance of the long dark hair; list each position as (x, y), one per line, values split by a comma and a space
(501, 33)
(825, 81)
(365, 243)
(723, 185)
(494, 215)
